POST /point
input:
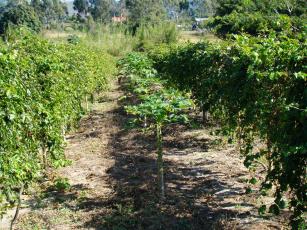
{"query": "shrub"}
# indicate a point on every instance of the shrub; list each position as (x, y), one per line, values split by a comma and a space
(73, 39)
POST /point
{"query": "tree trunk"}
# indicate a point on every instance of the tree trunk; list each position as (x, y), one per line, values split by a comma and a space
(160, 161)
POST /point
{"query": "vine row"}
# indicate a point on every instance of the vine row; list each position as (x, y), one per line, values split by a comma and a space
(43, 90)
(256, 88)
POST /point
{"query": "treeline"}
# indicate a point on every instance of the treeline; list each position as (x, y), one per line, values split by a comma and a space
(44, 12)
(37, 14)
(44, 89)
(255, 17)
(145, 9)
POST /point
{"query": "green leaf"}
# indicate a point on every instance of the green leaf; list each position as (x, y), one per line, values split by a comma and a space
(262, 210)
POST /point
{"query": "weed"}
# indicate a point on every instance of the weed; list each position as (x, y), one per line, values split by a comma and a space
(62, 184)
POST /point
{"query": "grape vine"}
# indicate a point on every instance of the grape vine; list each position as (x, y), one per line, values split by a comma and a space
(256, 89)
(42, 88)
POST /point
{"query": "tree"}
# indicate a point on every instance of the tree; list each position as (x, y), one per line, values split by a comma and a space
(101, 10)
(49, 10)
(21, 14)
(159, 109)
(116, 8)
(60, 9)
(82, 6)
(144, 12)
(226, 7)
(184, 5)
(189, 8)
(37, 5)
(209, 7)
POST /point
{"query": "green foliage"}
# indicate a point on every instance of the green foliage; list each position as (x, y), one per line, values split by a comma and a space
(274, 209)
(82, 6)
(256, 24)
(289, 7)
(136, 64)
(253, 181)
(50, 12)
(143, 12)
(259, 17)
(42, 87)
(73, 39)
(262, 210)
(62, 184)
(158, 105)
(100, 10)
(18, 15)
(255, 88)
(162, 107)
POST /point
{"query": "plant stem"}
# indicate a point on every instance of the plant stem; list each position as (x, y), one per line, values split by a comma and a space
(205, 114)
(18, 206)
(44, 153)
(87, 105)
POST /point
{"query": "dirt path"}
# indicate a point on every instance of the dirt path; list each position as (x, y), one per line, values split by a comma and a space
(113, 180)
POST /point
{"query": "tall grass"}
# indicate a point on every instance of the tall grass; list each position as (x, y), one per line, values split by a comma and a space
(116, 40)
(152, 35)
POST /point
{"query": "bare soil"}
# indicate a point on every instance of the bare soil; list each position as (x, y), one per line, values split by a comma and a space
(113, 180)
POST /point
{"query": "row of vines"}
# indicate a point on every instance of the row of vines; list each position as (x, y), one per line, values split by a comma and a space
(256, 88)
(44, 88)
